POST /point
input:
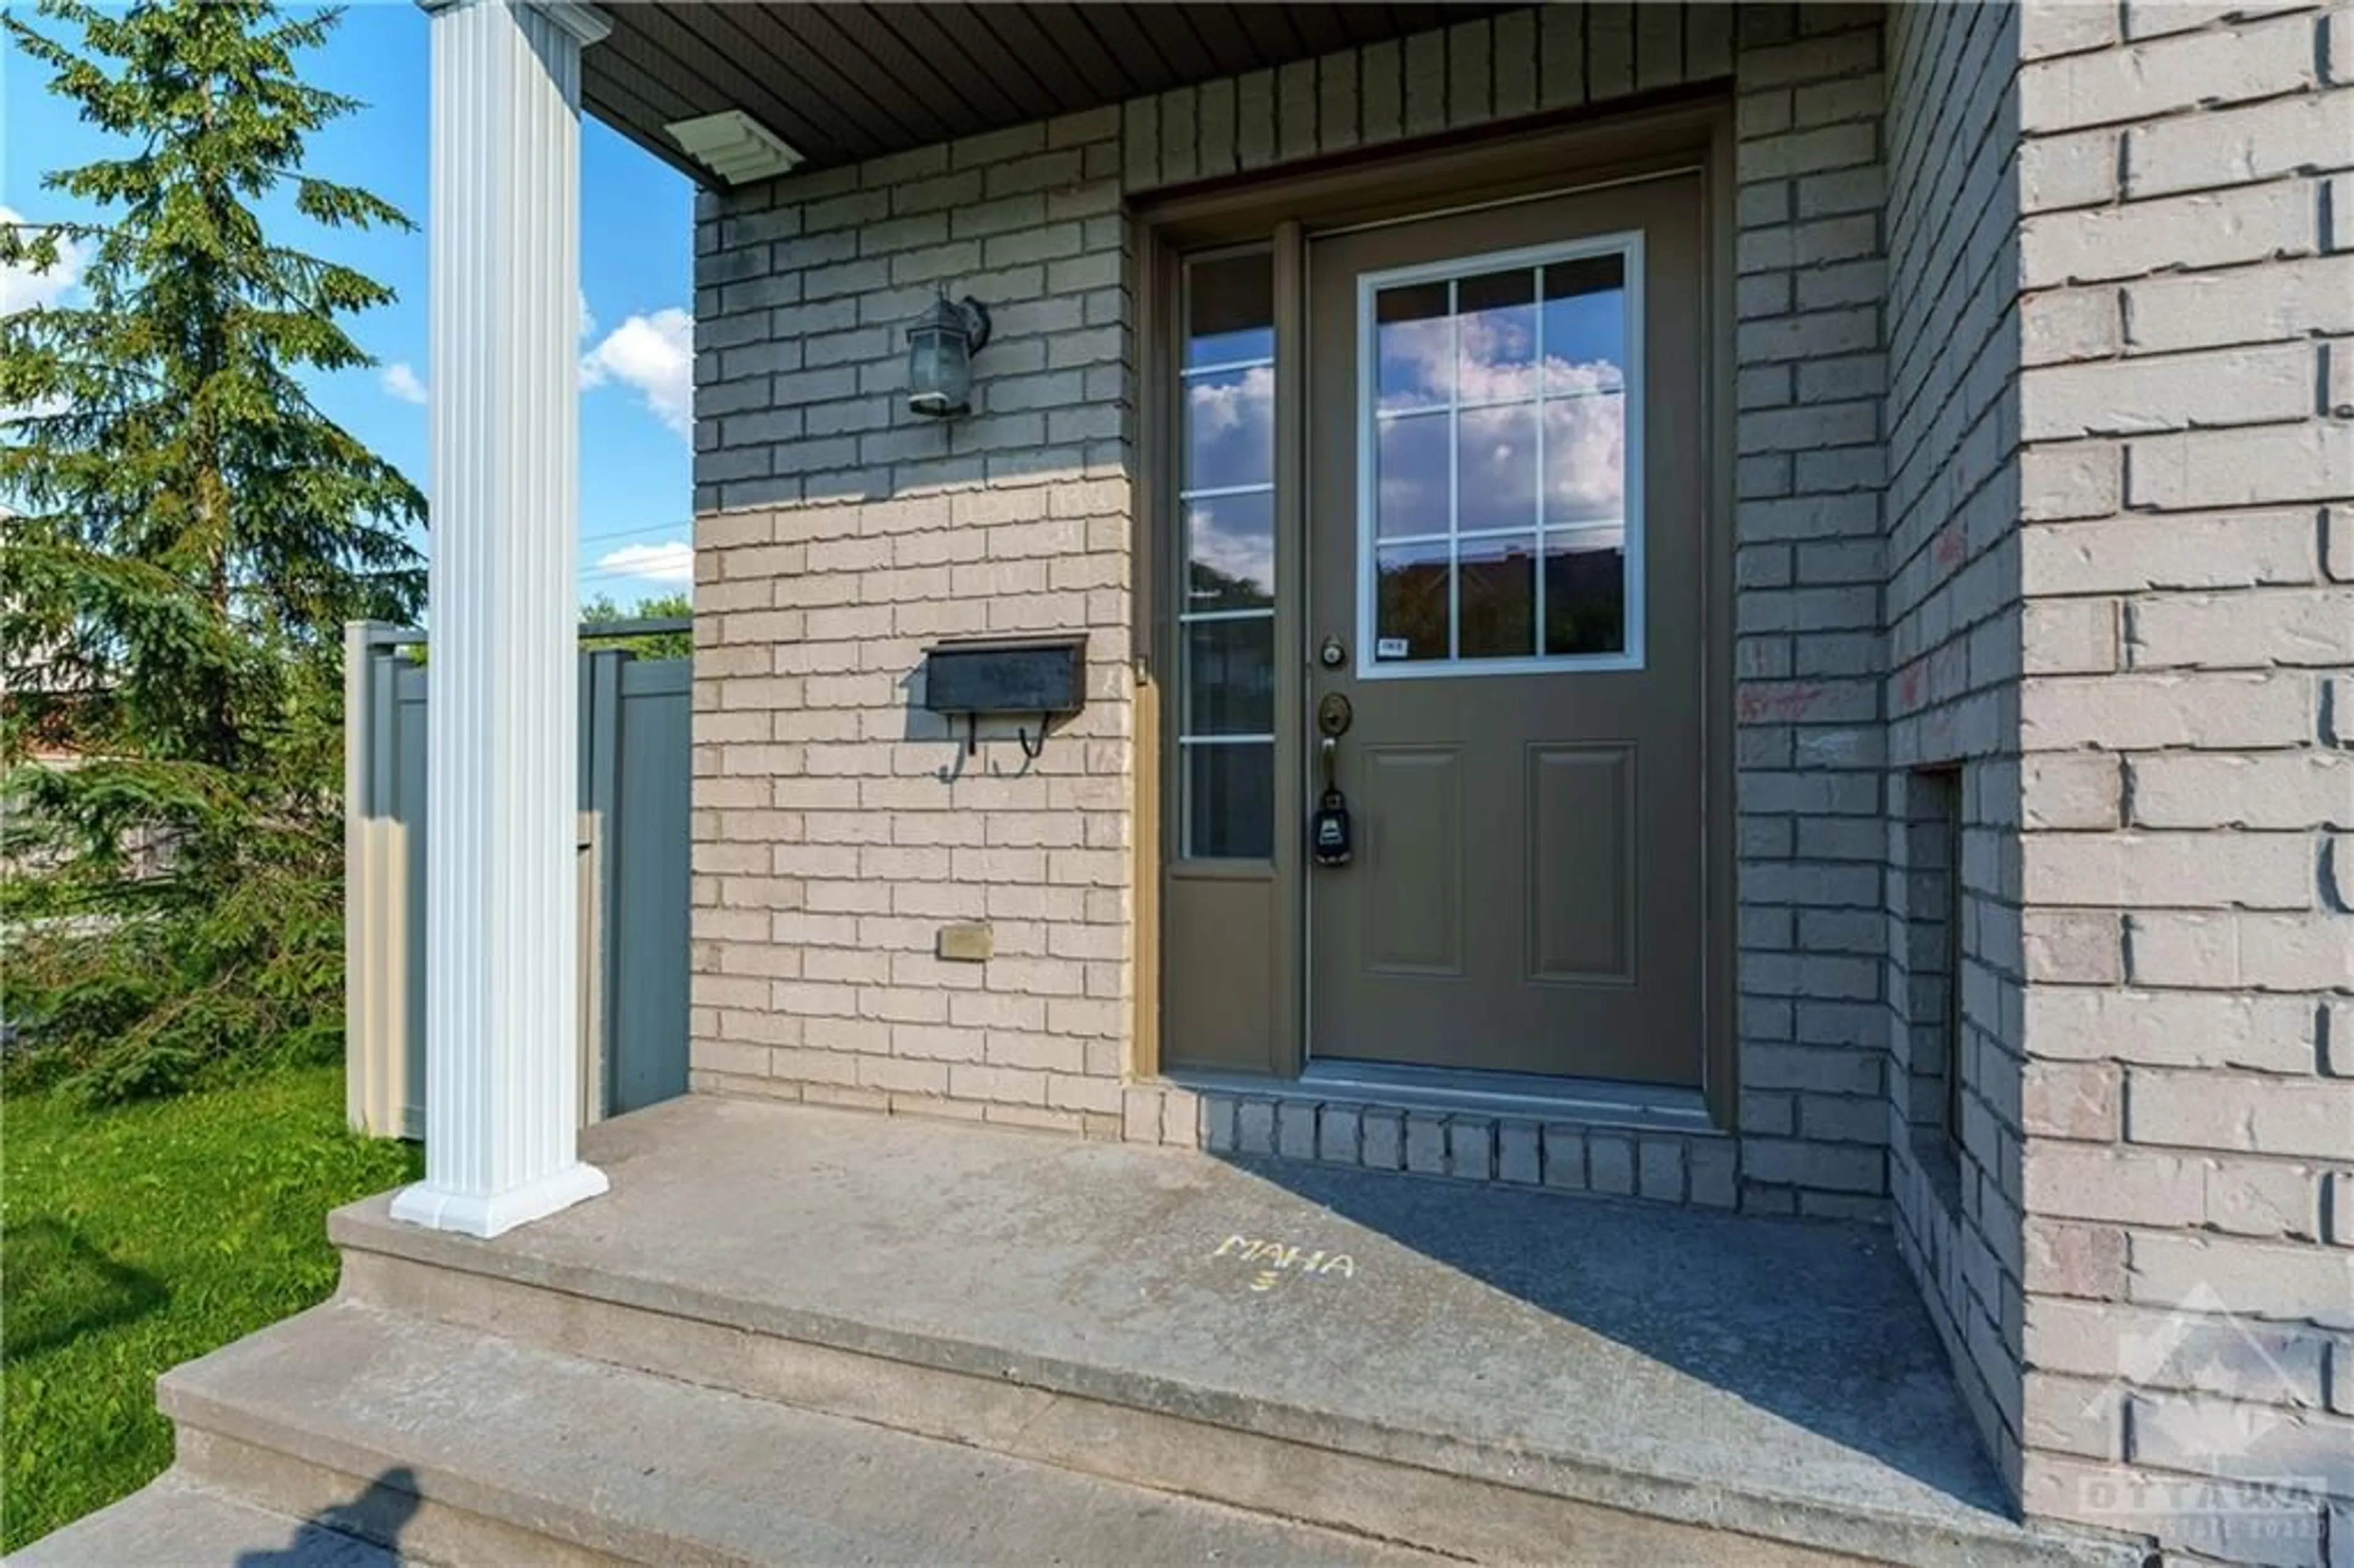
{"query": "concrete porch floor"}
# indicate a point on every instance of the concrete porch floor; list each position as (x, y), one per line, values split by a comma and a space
(798, 1335)
(1772, 1377)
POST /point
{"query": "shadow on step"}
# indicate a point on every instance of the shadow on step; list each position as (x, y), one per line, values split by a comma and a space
(326, 1539)
(1815, 1323)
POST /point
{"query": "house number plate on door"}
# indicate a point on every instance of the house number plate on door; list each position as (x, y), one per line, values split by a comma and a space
(1334, 716)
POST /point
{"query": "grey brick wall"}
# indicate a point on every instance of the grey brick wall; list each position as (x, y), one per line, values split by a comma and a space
(836, 535)
(2186, 570)
(1951, 603)
(1809, 278)
(1670, 1164)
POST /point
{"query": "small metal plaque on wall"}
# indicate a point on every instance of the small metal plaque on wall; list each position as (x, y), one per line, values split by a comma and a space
(967, 942)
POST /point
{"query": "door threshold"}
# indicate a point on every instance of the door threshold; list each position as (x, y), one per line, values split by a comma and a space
(1599, 1102)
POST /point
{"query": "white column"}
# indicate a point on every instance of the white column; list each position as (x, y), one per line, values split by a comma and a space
(502, 1009)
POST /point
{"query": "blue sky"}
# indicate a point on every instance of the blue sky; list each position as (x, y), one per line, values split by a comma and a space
(637, 262)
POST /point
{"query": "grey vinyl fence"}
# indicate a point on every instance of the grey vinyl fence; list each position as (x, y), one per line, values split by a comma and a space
(634, 773)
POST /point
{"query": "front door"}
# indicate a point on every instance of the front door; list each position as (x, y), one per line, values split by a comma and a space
(1507, 495)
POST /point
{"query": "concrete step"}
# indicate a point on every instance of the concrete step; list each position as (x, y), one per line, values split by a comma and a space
(179, 1521)
(1494, 1375)
(456, 1446)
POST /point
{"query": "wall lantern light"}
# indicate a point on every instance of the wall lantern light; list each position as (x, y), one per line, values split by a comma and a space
(939, 356)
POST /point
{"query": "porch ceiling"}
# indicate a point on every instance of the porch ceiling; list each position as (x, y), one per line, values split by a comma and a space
(844, 82)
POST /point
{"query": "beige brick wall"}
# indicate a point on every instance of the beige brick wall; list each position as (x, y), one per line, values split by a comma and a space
(2186, 307)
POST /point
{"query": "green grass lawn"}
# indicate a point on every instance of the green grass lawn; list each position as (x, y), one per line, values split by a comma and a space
(133, 1239)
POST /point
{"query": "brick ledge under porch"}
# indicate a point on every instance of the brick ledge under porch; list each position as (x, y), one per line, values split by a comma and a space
(1568, 1136)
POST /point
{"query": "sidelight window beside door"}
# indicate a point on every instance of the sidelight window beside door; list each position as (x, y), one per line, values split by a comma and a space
(1225, 613)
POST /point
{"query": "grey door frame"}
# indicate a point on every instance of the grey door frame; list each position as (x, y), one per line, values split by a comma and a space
(1568, 151)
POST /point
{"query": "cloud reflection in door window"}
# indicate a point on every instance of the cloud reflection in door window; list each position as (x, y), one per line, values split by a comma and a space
(1486, 352)
(1230, 429)
(1230, 548)
(1584, 467)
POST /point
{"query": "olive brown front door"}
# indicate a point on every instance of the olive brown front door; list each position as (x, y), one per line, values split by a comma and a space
(1508, 585)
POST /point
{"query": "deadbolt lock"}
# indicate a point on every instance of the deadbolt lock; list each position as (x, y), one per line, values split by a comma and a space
(1334, 716)
(1332, 654)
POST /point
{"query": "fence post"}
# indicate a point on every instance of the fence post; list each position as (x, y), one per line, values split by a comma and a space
(400, 963)
(363, 1050)
(595, 1072)
(600, 786)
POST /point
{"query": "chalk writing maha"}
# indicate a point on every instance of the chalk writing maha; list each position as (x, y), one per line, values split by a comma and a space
(1271, 1255)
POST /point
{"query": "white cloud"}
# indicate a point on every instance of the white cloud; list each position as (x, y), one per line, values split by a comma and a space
(672, 562)
(400, 381)
(22, 289)
(653, 354)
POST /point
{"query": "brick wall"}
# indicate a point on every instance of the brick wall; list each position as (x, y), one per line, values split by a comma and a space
(2045, 329)
(837, 825)
(1809, 743)
(836, 535)
(2185, 563)
(1951, 688)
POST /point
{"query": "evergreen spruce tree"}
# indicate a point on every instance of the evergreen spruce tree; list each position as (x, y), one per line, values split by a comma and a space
(191, 534)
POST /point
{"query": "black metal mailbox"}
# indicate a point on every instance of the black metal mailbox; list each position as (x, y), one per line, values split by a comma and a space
(972, 676)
